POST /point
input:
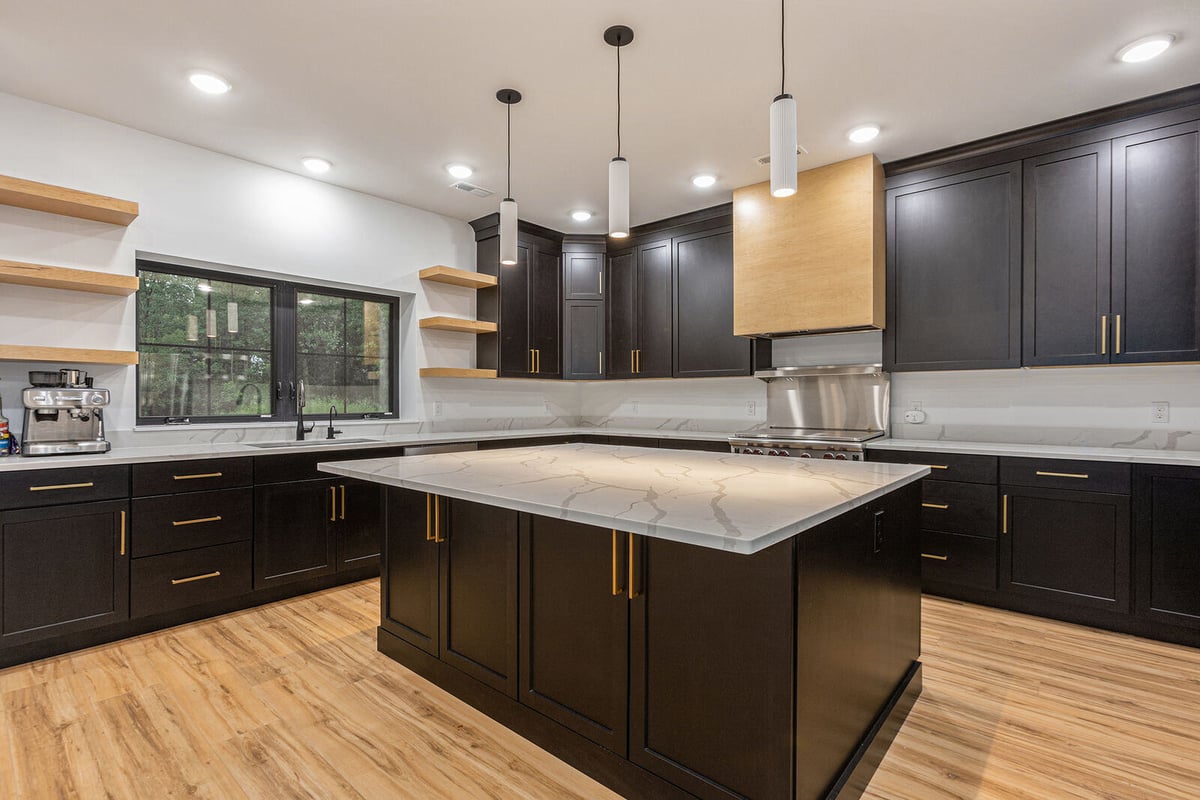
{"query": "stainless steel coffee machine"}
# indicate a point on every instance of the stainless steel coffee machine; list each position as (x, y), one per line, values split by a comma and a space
(63, 414)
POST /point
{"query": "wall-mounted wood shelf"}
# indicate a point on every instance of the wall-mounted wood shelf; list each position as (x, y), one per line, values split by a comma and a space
(457, 325)
(454, 372)
(67, 355)
(78, 280)
(457, 277)
(66, 202)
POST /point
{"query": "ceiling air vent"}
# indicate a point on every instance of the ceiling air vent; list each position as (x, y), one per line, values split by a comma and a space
(471, 188)
(765, 161)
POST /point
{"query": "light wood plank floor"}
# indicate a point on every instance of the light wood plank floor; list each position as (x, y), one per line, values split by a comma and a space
(292, 700)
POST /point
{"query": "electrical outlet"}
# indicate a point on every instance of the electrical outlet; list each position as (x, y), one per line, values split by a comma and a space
(751, 408)
(1160, 411)
(437, 408)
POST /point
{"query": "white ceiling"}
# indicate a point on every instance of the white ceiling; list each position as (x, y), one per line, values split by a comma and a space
(392, 90)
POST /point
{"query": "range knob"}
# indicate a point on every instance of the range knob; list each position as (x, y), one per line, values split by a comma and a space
(806, 455)
(840, 456)
(827, 455)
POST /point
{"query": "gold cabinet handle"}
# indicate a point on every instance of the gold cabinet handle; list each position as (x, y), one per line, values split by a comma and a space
(204, 577)
(87, 485)
(199, 475)
(537, 361)
(600, 282)
(633, 592)
(342, 513)
(616, 587)
(1004, 518)
(531, 367)
(938, 466)
(122, 533)
(633, 361)
(428, 517)
(1104, 334)
(1118, 334)
(1080, 475)
(935, 557)
(600, 356)
(437, 521)
(332, 504)
(179, 523)
(939, 506)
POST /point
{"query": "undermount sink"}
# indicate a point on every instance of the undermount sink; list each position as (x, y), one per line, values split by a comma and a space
(309, 443)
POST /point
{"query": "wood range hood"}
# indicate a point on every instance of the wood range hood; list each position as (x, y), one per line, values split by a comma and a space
(812, 262)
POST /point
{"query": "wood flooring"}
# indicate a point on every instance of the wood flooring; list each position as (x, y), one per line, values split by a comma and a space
(292, 700)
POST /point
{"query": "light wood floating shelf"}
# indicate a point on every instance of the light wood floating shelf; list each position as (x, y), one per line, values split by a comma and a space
(458, 325)
(457, 277)
(454, 372)
(66, 202)
(79, 280)
(69, 355)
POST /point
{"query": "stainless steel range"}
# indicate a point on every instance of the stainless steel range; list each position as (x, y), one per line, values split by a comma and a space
(820, 412)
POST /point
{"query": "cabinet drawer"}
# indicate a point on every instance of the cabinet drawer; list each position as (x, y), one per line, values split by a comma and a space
(177, 580)
(950, 507)
(1086, 476)
(289, 467)
(172, 477)
(52, 487)
(959, 560)
(184, 522)
(963, 468)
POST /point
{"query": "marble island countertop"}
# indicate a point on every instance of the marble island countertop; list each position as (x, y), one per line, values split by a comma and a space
(737, 503)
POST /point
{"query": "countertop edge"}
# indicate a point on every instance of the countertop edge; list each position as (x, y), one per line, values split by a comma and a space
(1066, 452)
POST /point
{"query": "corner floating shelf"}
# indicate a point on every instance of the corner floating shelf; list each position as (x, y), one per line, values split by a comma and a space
(69, 355)
(453, 372)
(456, 324)
(457, 277)
(66, 202)
(78, 280)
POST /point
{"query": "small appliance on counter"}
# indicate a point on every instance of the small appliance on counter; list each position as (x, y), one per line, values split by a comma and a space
(820, 412)
(64, 414)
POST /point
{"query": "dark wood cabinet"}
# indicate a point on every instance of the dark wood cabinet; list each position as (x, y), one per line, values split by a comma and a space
(583, 273)
(293, 537)
(529, 310)
(954, 272)
(410, 572)
(1156, 245)
(583, 340)
(1067, 258)
(575, 627)
(1166, 534)
(63, 569)
(703, 337)
(359, 530)
(654, 310)
(621, 307)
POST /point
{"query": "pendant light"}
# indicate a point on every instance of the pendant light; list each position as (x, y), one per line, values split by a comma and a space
(783, 125)
(508, 206)
(618, 169)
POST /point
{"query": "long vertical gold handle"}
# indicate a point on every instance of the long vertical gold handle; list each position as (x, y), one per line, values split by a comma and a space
(428, 517)
(1004, 521)
(616, 588)
(1104, 334)
(639, 360)
(632, 361)
(333, 504)
(437, 521)
(632, 590)
(600, 356)
(343, 512)
(538, 361)
(1118, 334)
(122, 533)
(531, 359)
(600, 281)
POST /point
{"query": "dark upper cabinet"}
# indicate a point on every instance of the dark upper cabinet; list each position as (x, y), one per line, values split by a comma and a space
(526, 307)
(293, 533)
(515, 281)
(1067, 257)
(1166, 535)
(583, 339)
(954, 272)
(621, 307)
(583, 275)
(654, 310)
(411, 570)
(703, 314)
(545, 308)
(1156, 245)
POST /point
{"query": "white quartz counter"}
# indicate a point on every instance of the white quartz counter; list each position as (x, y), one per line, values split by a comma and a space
(738, 503)
(1129, 455)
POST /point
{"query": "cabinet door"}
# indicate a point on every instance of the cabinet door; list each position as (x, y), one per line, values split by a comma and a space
(1065, 546)
(583, 276)
(359, 532)
(583, 339)
(1068, 237)
(1156, 244)
(64, 569)
(654, 303)
(545, 303)
(516, 357)
(410, 570)
(703, 316)
(293, 531)
(575, 627)
(622, 315)
(1166, 525)
(954, 272)
(478, 608)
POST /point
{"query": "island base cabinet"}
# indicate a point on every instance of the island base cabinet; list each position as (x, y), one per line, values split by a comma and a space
(360, 534)
(411, 570)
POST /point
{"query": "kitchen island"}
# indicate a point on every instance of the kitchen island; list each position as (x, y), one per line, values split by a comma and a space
(675, 624)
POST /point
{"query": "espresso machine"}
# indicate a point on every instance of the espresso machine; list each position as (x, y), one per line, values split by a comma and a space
(64, 414)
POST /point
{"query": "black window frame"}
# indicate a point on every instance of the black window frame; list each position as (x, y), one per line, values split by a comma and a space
(282, 391)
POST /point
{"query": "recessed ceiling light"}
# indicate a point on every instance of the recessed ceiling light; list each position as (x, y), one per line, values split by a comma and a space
(1146, 48)
(459, 171)
(863, 133)
(209, 82)
(703, 181)
(580, 215)
(317, 165)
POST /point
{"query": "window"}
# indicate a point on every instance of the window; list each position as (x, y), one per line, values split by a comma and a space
(216, 346)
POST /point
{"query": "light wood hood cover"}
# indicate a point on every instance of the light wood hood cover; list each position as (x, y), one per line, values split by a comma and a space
(814, 261)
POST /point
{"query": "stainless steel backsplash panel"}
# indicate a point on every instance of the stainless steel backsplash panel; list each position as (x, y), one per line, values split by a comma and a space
(837, 398)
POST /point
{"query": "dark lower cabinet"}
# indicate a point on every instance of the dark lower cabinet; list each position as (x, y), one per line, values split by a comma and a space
(583, 340)
(1166, 520)
(293, 539)
(411, 573)
(359, 532)
(64, 569)
(703, 316)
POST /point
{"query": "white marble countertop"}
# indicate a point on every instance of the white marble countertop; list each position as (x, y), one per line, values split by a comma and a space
(1129, 455)
(737, 503)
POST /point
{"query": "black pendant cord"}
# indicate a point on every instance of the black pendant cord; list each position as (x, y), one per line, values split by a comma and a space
(509, 192)
(782, 46)
(618, 99)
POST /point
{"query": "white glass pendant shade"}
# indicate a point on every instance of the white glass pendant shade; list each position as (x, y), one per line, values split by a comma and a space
(783, 146)
(210, 324)
(231, 317)
(508, 231)
(193, 328)
(618, 198)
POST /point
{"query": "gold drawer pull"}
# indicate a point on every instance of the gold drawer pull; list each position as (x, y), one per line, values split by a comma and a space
(87, 485)
(935, 557)
(204, 577)
(179, 523)
(1080, 475)
(201, 475)
(938, 466)
(940, 506)
(1004, 524)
